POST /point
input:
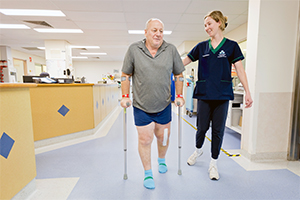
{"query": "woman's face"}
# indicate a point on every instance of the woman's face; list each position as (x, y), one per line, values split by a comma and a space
(211, 26)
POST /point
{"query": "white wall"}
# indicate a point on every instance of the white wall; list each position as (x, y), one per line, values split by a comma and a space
(239, 34)
(93, 71)
(271, 47)
(30, 65)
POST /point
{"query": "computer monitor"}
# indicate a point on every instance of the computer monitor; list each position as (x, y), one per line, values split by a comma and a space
(28, 78)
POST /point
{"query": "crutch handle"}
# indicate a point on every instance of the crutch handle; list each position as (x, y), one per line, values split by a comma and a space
(128, 104)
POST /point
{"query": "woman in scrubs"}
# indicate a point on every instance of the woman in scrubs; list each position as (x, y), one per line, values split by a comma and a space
(214, 86)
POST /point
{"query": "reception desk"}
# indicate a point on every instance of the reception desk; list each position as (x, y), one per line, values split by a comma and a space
(61, 109)
(105, 100)
(32, 113)
(17, 159)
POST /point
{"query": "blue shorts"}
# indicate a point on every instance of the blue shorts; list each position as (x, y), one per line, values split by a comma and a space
(142, 118)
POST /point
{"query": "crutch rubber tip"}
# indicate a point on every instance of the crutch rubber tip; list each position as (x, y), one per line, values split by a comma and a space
(179, 172)
(125, 177)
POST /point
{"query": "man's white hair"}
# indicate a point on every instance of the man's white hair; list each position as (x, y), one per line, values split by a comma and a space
(153, 19)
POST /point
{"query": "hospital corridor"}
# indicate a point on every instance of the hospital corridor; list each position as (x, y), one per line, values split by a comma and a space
(93, 168)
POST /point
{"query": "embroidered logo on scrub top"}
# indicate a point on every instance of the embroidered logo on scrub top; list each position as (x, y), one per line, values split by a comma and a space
(222, 54)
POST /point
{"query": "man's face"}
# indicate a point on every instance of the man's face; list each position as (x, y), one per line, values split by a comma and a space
(154, 34)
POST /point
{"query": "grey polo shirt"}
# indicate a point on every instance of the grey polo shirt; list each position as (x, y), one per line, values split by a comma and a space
(151, 76)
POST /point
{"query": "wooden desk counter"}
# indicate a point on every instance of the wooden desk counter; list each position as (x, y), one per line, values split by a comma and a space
(17, 159)
(64, 84)
(60, 109)
(32, 112)
(17, 85)
(105, 100)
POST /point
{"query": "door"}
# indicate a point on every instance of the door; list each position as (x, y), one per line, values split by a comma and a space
(21, 68)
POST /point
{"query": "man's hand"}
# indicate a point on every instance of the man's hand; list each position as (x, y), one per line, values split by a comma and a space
(179, 102)
(125, 102)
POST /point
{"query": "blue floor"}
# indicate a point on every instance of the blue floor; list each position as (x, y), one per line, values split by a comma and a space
(100, 165)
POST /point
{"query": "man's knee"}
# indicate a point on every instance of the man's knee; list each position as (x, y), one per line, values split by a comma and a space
(146, 134)
(145, 139)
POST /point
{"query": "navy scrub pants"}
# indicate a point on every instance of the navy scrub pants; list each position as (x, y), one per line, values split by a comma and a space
(215, 111)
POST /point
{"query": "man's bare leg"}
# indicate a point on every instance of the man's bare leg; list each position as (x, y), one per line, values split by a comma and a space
(145, 137)
(162, 145)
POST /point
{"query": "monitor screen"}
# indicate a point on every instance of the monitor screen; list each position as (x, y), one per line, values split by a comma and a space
(28, 78)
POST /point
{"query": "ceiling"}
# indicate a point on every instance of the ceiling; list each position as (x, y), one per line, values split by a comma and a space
(105, 23)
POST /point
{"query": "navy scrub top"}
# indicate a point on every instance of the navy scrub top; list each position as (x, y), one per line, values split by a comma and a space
(214, 69)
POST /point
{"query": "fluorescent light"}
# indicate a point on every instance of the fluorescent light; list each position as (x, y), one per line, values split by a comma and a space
(42, 48)
(32, 12)
(143, 32)
(14, 26)
(80, 47)
(49, 30)
(85, 47)
(167, 32)
(136, 31)
(100, 54)
(79, 57)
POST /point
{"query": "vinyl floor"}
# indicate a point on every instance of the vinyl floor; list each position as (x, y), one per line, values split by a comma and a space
(94, 169)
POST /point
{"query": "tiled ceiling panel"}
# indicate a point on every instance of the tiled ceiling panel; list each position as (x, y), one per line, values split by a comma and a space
(105, 23)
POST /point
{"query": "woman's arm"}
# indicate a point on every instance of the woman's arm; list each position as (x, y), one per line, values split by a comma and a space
(243, 78)
(186, 61)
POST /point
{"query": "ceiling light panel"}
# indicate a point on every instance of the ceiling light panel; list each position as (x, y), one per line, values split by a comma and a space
(99, 54)
(79, 57)
(14, 26)
(47, 30)
(143, 32)
(32, 12)
(85, 47)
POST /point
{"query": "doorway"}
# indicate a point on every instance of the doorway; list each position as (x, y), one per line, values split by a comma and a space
(21, 67)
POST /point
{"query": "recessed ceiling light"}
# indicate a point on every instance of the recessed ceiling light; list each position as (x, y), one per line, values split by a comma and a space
(32, 12)
(48, 30)
(136, 31)
(167, 32)
(100, 54)
(14, 26)
(79, 57)
(85, 47)
(143, 32)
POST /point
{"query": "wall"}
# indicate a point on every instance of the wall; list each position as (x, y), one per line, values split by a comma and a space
(271, 47)
(239, 34)
(93, 71)
(30, 65)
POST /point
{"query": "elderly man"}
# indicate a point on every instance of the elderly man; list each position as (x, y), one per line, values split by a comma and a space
(150, 63)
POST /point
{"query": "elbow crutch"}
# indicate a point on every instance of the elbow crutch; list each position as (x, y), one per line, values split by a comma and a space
(125, 141)
(179, 139)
